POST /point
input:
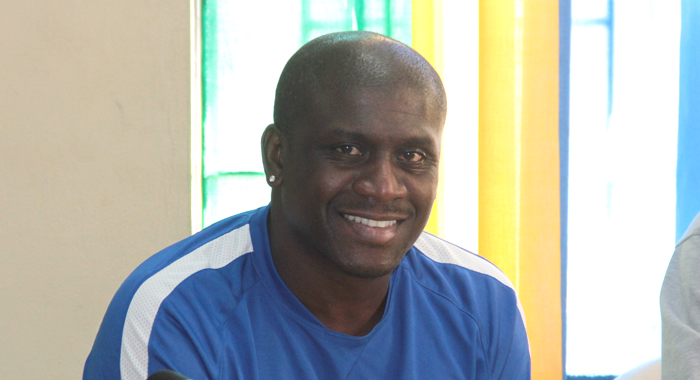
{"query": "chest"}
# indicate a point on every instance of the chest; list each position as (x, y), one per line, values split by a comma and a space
(411, 342)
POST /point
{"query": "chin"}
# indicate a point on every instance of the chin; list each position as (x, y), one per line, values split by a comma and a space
(368, 273)
(363, 259)
(367, 270)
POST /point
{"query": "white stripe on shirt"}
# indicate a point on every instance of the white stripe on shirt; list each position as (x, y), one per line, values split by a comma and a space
(149, 296)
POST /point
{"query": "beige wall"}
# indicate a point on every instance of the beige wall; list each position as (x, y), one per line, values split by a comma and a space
(94, 166)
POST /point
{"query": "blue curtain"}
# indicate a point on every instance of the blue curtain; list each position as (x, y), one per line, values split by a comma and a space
(688, 169)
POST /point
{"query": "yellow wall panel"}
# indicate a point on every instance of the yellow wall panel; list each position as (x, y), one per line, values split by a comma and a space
(426, 28)
(519, 225)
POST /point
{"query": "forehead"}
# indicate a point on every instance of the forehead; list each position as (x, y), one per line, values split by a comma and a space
(399, 111)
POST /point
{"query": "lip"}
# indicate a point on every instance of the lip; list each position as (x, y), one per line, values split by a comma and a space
(374, 229)
(371, 222)
(384, 216)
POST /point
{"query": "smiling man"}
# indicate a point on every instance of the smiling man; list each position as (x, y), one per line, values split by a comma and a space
(335, 278)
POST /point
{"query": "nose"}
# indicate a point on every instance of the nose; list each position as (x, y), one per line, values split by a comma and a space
(382, 180)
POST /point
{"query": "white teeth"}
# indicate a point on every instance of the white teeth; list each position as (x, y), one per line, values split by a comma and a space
(371, 222)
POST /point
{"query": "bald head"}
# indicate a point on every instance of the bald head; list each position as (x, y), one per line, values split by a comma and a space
(341, 63)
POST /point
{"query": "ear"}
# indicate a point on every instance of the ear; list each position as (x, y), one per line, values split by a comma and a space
(273, 143)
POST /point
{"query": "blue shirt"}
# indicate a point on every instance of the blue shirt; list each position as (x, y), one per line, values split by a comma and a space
(213, 307)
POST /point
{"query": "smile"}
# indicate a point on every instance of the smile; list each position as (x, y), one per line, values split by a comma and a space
(370, 222)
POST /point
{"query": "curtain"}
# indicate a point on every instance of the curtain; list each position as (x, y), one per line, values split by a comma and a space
(688, 166)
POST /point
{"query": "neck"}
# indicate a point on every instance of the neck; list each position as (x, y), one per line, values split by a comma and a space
(341, 302)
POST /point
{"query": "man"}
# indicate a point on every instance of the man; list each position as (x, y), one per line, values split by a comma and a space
(680, 309)
(334, 279)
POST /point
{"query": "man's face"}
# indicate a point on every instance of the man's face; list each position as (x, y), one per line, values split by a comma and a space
(360, 177)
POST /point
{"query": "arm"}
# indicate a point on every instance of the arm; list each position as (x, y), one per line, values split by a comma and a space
(680, 312)
(511, 359)
(132, 344)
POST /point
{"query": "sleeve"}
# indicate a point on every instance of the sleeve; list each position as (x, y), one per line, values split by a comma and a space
(680, 313)
(140, 335)
(185, 340)
(104, 359)
(510, 356)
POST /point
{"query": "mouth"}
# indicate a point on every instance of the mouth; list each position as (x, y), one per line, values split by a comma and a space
(373, 231)
(370, 222)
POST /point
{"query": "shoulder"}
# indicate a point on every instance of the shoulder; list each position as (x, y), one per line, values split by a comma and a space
(681, 272)
(441, 251)
(468, 280)
(681, 277)
(175, 279)
(692, 233)
(476, 288)
(212, 248)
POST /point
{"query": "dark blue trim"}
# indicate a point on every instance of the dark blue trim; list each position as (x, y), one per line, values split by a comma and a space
(688, 169)
(564, 74)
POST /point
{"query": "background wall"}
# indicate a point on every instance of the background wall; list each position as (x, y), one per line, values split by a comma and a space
(94, 166)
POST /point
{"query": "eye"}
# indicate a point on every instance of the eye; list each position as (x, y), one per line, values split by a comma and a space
(348, 150)
(413, 157)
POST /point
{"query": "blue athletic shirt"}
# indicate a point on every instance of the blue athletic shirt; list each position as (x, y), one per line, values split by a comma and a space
(212, 306)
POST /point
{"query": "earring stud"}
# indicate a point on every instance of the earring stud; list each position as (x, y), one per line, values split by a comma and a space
(272, 178)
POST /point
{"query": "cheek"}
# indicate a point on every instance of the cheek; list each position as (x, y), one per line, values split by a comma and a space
(334, 182)
(329, 180)
(317, 185)
(423, 191)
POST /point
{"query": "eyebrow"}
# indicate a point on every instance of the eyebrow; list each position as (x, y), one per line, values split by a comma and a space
(410, 141)
(348, 135)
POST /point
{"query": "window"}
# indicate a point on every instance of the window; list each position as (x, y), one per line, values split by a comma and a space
(623, 138)
(246, 45)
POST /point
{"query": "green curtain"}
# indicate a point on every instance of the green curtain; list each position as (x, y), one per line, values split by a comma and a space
(245, 46)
